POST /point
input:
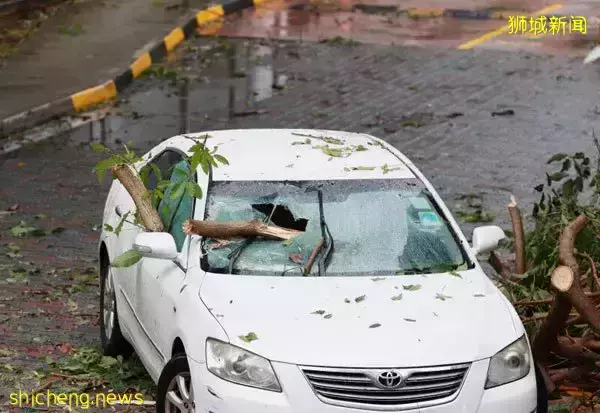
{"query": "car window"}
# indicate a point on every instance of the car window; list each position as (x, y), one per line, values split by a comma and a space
(379, 227)
(176, 205)
(164, 163)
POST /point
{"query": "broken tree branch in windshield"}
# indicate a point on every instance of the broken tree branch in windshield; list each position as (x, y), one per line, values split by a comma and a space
(233, 229)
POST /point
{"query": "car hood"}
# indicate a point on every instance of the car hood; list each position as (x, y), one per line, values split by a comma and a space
(362, 321)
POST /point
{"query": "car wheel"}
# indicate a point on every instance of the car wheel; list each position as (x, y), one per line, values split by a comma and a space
(113, 342)
(542, 391)
(175, 393)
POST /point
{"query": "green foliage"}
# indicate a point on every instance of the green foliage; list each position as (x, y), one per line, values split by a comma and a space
(127, 259)
(88, 366)
(562, 199)
(199, 156)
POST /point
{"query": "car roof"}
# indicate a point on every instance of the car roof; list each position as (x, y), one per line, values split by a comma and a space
(302, 154)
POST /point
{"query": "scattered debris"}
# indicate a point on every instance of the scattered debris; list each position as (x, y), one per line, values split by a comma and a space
(507, 112)
(412, 287)
(360, 298)
(375, 325)
(248, 337)
(397, 297)
(318, 312)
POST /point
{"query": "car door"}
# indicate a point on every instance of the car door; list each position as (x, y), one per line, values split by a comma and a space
(162, 163)
(157, 280)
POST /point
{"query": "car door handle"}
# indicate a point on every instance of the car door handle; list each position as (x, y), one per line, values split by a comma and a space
(118, 211)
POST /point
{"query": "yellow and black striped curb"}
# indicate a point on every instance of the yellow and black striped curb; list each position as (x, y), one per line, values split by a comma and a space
(79, 101)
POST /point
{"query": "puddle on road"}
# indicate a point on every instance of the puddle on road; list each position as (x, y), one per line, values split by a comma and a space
(187, 93)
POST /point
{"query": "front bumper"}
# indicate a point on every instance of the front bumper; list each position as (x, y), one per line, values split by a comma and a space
(214, 395)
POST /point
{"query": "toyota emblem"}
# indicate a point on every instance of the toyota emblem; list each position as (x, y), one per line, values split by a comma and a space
(390, 379)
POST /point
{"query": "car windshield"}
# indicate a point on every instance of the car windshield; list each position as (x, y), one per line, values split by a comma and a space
(376, 227)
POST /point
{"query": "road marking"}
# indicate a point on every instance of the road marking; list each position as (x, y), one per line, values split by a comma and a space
(504, 29)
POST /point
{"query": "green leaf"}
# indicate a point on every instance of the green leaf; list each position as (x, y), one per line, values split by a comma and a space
(360, 168)
(23, 230)
(127, 259)
(397, 297)
(557, 157)
(579, 155)
(248, 337)
(177, 190)
(333, 141)
(103, 166)
(121, 222)
(455, 274)
(412, 287)
(98, 147)
(196, 190)
(360, 148)
(442, 297)
(304, 142)
(566, 165)
(360, 298)
(221, 159)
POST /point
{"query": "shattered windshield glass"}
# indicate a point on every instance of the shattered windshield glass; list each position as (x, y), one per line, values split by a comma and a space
(377, 227)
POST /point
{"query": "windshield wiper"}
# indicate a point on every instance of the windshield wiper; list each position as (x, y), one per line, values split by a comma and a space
(326, 234)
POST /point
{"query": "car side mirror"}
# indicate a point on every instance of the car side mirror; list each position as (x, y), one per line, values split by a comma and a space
(486, 238)
(159, 245)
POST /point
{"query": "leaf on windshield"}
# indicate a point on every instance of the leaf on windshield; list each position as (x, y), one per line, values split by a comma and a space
(455, 274)
(249, 337)
(318, 312)
(378, 279)
(478, 295)
(397, 297)
(412, 287)
(442, 297)
(410, 320)
(360, 298)
(328, 316)
(375, 325)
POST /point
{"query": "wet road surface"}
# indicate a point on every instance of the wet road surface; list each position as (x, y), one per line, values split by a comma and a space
(480, 122)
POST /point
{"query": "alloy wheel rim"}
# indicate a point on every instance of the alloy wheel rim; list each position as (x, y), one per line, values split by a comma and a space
(109, 305)
(180, 395)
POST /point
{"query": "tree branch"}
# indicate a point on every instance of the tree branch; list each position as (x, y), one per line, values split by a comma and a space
(518, 230)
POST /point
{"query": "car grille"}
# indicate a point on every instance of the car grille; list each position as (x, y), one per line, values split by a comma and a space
(360, 387)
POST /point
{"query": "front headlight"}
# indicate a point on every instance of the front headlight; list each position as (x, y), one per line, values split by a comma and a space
(509, 364)
(239, 366)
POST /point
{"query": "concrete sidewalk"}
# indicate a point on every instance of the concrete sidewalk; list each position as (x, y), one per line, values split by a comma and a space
(82, 45)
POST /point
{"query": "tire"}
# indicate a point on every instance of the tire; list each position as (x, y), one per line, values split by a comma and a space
(113, 342)
(168, 384)
(542, 391)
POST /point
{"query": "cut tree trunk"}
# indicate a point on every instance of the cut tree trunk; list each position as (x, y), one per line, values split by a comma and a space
(141, 197)
(546, 339)
(519, 232)
(234, 229)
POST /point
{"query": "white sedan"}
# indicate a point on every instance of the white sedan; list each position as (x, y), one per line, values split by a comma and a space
(395, 314)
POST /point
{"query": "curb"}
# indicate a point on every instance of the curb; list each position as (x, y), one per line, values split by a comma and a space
(84, 99)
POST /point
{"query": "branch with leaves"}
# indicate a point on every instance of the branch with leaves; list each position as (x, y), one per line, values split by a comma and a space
(122, 167)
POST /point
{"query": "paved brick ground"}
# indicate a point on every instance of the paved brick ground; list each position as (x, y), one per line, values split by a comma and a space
(373, 89)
